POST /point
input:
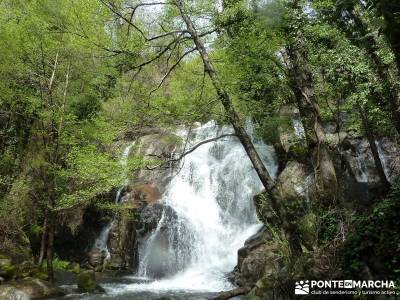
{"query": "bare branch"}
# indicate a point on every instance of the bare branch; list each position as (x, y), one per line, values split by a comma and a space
(53, 72)
(190, 151)
(113, 9)
(159, 54)
(149, 4)
(171, 69)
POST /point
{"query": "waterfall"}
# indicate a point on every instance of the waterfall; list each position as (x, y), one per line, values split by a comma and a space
(383, 159)
(298, 128)
(208, 215)
(102, 240)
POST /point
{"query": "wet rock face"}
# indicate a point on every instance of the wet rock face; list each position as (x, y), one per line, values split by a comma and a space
(74, 245)
(142, 194)
(160, 234)
(128, 231)
(359, 157)
(96, 259)
(361, 181)
(149, 217)
(153, 147)
(29, 289)
(123, 241)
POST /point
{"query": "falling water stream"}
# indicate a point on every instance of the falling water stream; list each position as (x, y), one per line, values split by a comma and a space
(208, 214)
(101, 241)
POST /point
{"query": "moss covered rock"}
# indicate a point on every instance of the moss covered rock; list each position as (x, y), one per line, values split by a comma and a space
(308, 227)
(7, 269)
(87, 282)
(29, 289)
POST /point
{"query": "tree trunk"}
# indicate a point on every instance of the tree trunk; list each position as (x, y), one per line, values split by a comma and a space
(43, 243)
(243, 137)
(302, 85)
(375, 154)
(301, 81)
(50, 250)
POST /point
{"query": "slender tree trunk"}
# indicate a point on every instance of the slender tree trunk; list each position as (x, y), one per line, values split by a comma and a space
(43, 242)
(375, 154)
(263, 174)
(50, 250)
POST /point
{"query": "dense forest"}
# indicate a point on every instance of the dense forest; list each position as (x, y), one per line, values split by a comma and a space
(94, 96)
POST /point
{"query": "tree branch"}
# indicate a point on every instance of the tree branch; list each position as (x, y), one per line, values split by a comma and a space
(233, 293)
(190, 151)
(171, 69)
(161, 53)
(113, 9)
(166, 34)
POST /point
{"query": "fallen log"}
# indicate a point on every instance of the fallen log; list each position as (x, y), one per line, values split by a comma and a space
(232, 293)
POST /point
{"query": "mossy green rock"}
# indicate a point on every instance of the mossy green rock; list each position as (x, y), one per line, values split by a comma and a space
(7, 269)
(87, 281)
(308, 228)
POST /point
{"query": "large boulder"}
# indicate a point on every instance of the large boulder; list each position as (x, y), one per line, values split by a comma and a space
(258, 256)
(294, 182)
(7, 269)
(29, 289)
(87, 282)
(294, 188)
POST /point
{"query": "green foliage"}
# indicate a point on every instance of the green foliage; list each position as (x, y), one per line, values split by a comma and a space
(271, 128)
(328, 227)
(60, 264)
(374, 242)
(90, 173)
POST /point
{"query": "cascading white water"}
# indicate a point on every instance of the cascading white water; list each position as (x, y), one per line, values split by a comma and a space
(102, 239)
(298, 128)
(361, 171)
(211, 199)
(383, 159)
